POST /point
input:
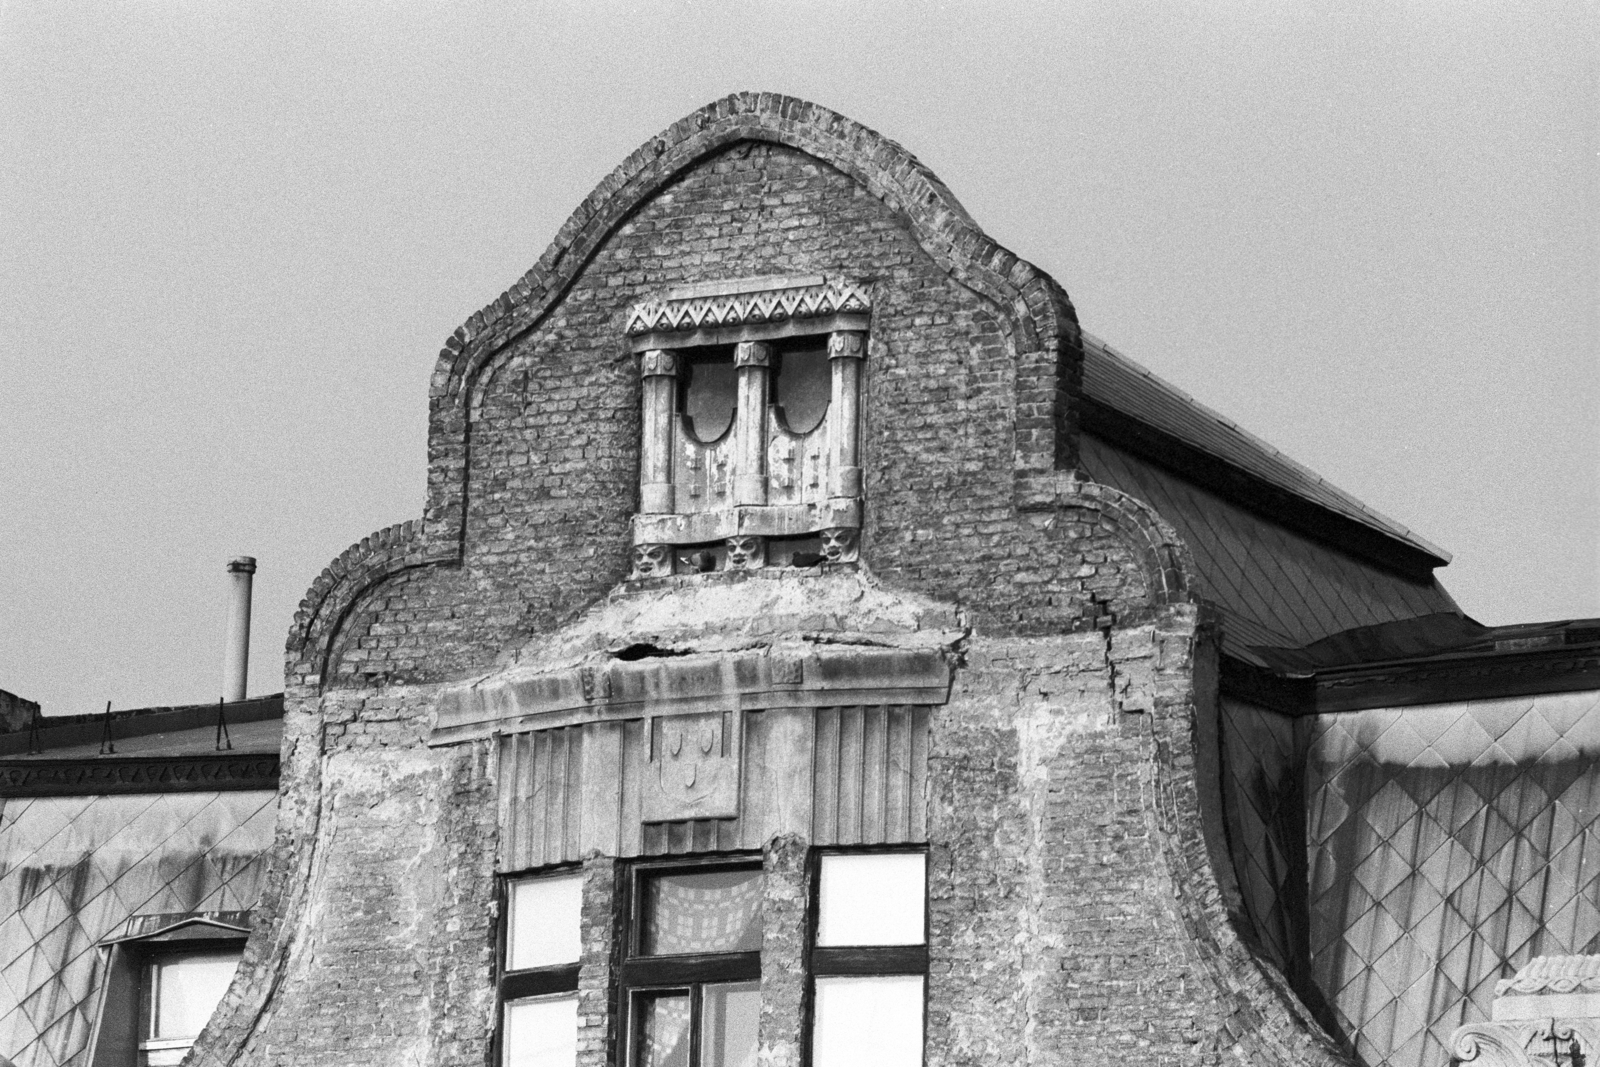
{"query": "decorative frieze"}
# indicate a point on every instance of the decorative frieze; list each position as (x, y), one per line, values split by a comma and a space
(133, 774)
(783, 299)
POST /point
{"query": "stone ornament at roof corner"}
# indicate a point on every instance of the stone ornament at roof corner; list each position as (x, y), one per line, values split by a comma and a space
(775, 301)
(1553, 974)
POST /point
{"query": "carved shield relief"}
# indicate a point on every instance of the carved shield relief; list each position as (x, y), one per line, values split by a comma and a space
(692, 769)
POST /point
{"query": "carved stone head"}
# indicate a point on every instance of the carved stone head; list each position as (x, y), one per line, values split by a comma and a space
(746, 553)
(839, 544)
(651, 561)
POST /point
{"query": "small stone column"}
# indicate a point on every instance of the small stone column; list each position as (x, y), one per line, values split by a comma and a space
(783, 952)
(658, 369)
(598, 931)
(846, 349)
(752, 358)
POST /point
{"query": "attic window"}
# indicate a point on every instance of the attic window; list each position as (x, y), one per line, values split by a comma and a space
(164, 979)
(750, 428)
(180, 991)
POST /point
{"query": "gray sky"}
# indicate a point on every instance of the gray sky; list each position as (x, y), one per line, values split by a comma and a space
(234, 236)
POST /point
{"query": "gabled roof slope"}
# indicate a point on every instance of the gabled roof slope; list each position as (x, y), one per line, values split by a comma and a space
(1275, 586)
(1115, 385)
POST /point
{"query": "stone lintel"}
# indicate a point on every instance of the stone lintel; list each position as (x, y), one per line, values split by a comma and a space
(770, 520)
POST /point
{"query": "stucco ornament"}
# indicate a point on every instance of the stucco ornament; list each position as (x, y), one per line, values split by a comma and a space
(1548, 1015)
(651, 561)
(840, 544)
(1547, 1043)
(693, 772)
(747, 553)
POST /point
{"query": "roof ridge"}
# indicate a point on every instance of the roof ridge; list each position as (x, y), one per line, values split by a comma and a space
(1379, 521)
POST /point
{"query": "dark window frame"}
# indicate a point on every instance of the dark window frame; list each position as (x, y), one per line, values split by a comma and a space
(530, 981)
(859, 961)
(148, 957)
(639, 975)
(122, 1013)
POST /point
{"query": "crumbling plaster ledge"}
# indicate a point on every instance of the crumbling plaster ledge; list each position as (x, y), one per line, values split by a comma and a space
(833, 635)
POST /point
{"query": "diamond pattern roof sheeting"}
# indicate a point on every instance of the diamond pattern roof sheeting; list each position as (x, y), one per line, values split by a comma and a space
(76, 868)
(1447, 846)
(1262, 761)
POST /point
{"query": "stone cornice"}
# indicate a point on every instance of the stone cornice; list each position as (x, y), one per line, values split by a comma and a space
(749, 680)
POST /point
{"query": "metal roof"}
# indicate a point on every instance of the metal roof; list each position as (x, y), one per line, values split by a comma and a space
(253, 725)
(1275, 587)
(1112, 379)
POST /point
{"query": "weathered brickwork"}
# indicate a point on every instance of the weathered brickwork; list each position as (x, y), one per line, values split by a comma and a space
(555, 420)
(1074, 914)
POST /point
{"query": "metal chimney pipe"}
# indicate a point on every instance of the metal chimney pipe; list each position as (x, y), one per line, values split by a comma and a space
(236, 658)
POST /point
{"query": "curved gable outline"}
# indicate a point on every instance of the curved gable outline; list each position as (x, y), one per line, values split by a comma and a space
(1049, 353)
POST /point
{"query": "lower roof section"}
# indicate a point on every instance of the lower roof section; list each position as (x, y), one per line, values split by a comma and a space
(1427, 660)
(196, 748)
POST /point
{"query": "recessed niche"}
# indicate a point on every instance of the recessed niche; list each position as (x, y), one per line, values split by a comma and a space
(801, 383)
(707, 391)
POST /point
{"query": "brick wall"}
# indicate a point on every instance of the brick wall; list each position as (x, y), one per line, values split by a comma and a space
(553, 466)
(1074, 915)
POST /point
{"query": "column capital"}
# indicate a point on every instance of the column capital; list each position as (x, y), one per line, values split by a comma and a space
(752, 354)
(847, 344)
(658, 363)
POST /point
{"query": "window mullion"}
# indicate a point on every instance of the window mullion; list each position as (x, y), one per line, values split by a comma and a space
(679, 970)
(696, 1006)
(890, 959)
(546, 980)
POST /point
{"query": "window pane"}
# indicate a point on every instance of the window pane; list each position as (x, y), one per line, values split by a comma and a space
(544, 922)
(187, 989)
(716, 911)
(802, 383)
(868, 1022)
(542, 1032)
(873, 899)
(708, 391)
(729, 1015)
(663, 1031)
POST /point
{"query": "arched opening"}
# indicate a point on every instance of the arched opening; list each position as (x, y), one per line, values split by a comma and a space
(801, 382)
(707, 391)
